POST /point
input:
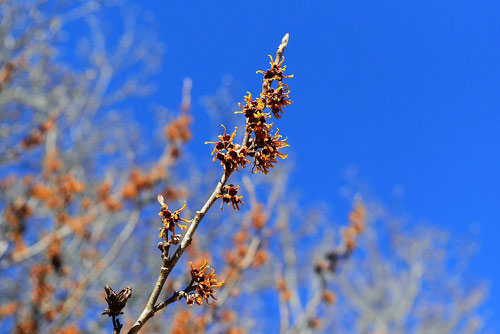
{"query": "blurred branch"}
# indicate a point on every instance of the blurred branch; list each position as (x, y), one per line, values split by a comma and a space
(102, 265)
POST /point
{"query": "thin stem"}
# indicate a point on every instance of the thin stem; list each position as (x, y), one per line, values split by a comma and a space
(117, 326)
(176, 296)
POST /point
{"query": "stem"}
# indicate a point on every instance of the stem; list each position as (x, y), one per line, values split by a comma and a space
(117, 327)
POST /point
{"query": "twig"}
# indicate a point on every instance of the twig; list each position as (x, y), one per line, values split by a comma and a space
(283, 309)
(36, 248)
(176, 296)
(290, 257)
(117, 326)
(309, 310)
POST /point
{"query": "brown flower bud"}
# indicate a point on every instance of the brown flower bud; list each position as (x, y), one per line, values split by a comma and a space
(116, 302)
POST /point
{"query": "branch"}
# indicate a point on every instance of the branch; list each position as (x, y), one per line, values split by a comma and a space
(169, 263)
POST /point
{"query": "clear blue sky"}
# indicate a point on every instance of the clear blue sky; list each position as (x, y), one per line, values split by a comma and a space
(406, 90)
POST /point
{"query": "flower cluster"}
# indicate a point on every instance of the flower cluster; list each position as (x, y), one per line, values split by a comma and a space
(205, 284)
(260, 142)
(103, 195)
(332, 259)
(178, 129)
(265, 144)
(37, 135)
(229, 154)
(170, 219)
(357, 219)
(275, 98)
(229, 196)
(259, 218)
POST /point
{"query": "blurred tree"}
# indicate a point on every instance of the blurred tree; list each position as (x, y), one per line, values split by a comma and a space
(79, 188)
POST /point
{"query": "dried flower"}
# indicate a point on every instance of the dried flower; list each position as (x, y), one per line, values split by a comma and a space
(173, 194)
(241, 237)
(52, 162)
(170, 219)
(235, 330)
(260, 258)
(116, 302)
(8, 309)
(6, 72)
(349, 236)
(314, 323)
(54, 254)
(227, 316)
(41, 289)
(41, 192)
(103, 194)
(178, 129)
(70, 329)
(229, 196)
(37, 135)
(185, 322)
(259, 218)
(357, 217)
(282, 288)
(68, 186)
(329, 297)
(17, 212)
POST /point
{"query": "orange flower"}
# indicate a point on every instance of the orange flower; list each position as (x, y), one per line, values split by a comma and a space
(229, 196)
(276, 71)
(205, 284)
(277, 98)
(265, 157)
(170, 219)
(229, 154)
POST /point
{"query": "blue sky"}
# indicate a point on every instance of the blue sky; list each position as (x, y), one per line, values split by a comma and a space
(406, 91)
